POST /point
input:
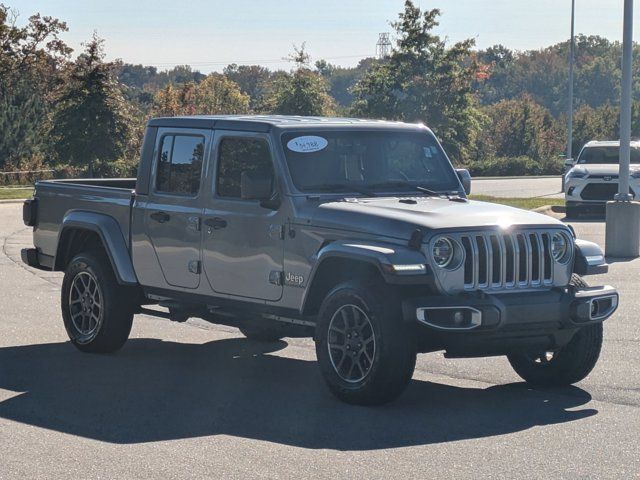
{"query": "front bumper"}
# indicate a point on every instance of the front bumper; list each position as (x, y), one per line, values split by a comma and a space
(595, 190)
(480, 324)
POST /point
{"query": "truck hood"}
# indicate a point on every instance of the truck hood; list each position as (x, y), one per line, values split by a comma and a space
(399, 217)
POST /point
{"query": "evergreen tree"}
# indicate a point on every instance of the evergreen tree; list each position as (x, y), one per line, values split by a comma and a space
(92, 123)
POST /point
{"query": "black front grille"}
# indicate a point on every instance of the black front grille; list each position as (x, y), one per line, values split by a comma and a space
(599, 191)
(507, 260)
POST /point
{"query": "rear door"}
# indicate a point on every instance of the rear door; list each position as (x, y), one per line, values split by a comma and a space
(173, 213)
(243, 245)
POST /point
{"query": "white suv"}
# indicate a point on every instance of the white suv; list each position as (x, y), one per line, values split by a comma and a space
(593, 178)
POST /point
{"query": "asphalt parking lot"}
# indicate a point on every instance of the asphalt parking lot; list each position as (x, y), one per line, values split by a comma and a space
(196, 400)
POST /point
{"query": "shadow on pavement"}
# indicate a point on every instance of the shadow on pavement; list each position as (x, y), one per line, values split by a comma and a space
(154, 390)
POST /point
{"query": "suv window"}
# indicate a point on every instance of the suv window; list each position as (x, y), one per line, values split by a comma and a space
(606, 155)
(241, 155)
(180, 164)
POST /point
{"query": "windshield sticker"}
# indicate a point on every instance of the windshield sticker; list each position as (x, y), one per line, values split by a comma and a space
(427, 152)
(307, 144)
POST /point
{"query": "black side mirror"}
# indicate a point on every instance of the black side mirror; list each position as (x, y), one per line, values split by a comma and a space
(569, 162)
(465, 179)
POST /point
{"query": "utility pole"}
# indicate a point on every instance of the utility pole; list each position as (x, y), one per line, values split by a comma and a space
(623, 214)
(572, 48)
(383, 47)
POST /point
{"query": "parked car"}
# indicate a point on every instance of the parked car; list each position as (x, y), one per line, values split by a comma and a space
(356, 233)
(593, 179)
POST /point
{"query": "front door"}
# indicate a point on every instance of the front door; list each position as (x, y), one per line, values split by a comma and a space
(173, 213)
(243, 248)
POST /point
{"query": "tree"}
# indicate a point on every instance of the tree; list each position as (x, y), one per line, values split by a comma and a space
(215, 95)
(301, 92)
(30, 59)
(342, 79)
(522, 127)
(424, 81)
(252, 80)
(92, 122)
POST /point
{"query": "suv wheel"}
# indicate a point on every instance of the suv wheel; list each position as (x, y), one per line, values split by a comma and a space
(567, 365)
(96, 310)
(364, 350)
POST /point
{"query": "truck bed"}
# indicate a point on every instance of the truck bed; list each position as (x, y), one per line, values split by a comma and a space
(56, 198)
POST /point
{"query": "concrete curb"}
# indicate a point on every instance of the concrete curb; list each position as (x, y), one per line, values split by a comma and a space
(550, 210)
(12, 200)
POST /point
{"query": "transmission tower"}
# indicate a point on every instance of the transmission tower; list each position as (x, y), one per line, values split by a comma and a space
(383, 47)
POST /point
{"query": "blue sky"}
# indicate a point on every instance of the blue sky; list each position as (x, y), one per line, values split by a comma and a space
(209, 34)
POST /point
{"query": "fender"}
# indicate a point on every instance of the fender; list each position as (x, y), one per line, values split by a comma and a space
(111, 235)
(396, 263)
(589, 259)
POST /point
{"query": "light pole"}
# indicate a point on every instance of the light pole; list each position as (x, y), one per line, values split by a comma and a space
(572, 48)
(623, 214)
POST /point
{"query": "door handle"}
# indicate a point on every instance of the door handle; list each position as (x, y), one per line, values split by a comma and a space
(160, 217)
(216, 223)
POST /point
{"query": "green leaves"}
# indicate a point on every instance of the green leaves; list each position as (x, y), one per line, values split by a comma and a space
(423, 80)
(92, 122)
(301, 92)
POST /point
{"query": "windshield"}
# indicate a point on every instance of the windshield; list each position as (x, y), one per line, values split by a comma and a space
(373, 161)
(607, 155)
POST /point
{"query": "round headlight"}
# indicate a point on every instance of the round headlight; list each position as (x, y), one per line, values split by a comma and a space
(443, 252)
(559, 246)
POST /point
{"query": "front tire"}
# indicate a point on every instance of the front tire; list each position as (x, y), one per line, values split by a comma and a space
(364, 350)
(568, 365)
(97, 311)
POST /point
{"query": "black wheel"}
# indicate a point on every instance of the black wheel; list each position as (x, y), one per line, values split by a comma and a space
(96, 310)
(262, 333)
(364, 350)
(565, 366)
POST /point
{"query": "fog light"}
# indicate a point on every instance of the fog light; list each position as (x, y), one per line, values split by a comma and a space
(458, 318)
(594, 308)
(570, 191)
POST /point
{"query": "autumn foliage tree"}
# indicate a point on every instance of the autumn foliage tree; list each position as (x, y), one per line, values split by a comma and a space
(215, 95)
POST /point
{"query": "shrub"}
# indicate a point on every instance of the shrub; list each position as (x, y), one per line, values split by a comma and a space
(516, 166)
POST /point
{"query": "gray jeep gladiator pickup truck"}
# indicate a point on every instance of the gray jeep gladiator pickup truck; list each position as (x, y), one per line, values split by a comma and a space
(357, 233)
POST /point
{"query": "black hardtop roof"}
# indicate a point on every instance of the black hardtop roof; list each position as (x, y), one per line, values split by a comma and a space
(264, 123)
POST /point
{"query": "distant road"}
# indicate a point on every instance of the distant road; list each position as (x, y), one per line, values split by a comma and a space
(523, 187)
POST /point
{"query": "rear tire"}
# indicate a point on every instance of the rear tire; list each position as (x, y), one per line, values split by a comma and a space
(362, 325)
(97, 311)
(570, 364)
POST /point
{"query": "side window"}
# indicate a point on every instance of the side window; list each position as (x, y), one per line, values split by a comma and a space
(238, 156)
(180, 164)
